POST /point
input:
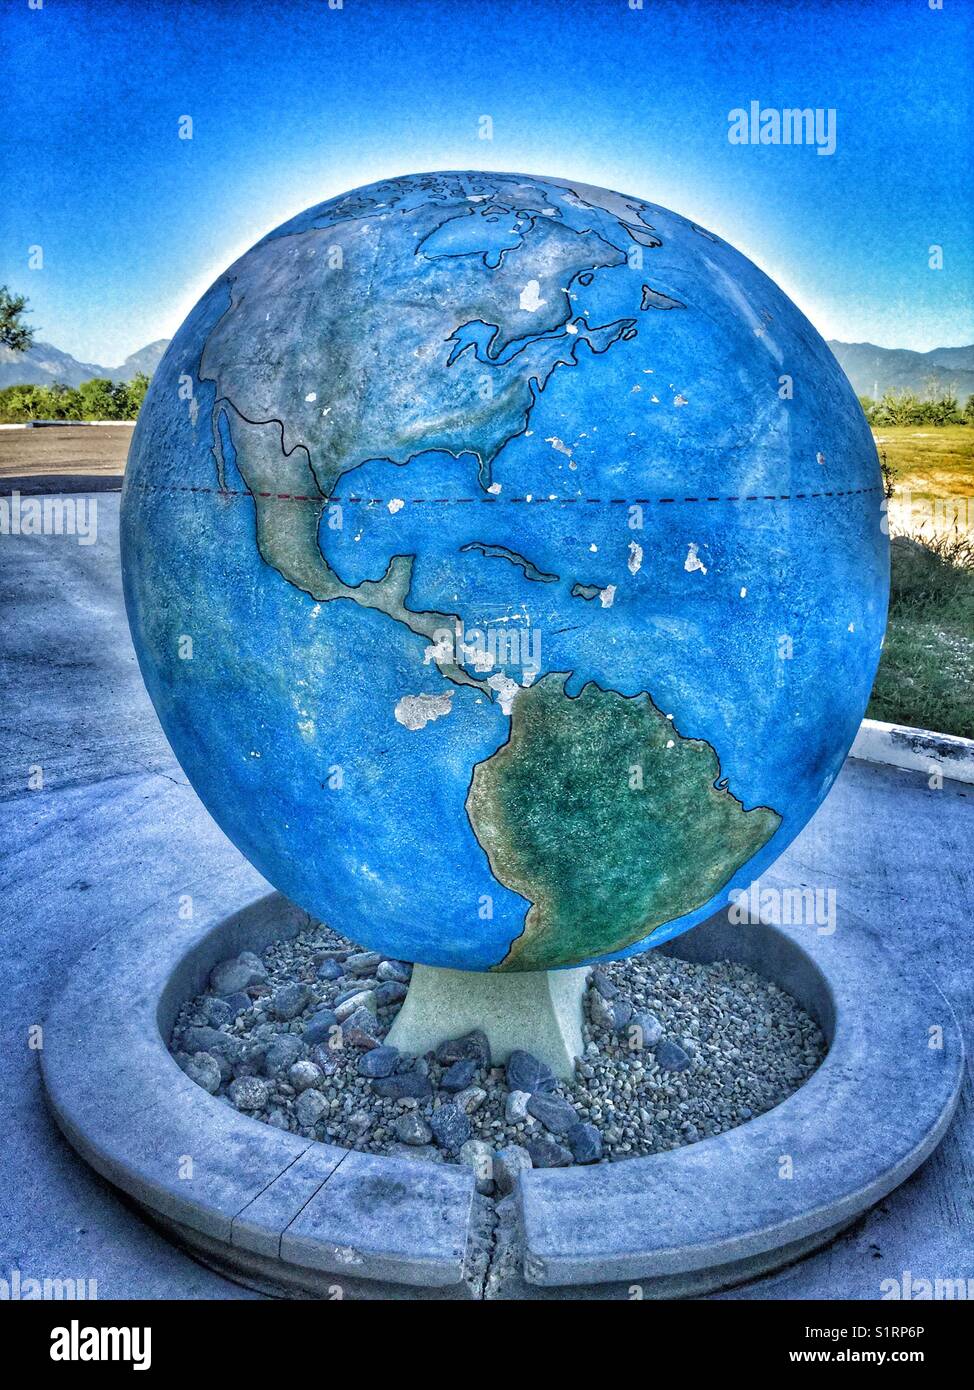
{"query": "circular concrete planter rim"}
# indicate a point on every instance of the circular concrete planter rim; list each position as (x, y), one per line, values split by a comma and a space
(287, 1214)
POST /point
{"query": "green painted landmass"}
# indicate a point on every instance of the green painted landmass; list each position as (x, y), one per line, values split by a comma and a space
(606, 819)
(287, 539)
(586, 591)
(501, 552)
(354, 353)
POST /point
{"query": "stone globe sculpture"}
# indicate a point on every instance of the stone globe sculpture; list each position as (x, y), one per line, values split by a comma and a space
(505, 561)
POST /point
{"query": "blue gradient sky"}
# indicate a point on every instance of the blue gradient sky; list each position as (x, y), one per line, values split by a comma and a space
(293, 102)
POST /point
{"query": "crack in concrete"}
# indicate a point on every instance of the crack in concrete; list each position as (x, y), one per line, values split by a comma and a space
(323, 1184)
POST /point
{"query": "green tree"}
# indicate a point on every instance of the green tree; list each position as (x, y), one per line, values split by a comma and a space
(14, 333)
(98, 399)
(102, 399)
(18, 403)
(869, 409)
(944, 410)
(64, 403)
(137, 388)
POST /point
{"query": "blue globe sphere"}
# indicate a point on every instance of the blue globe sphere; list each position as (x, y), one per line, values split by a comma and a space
(505, 560)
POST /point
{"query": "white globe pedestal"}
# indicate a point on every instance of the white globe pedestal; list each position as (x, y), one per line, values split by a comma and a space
(539, 1011)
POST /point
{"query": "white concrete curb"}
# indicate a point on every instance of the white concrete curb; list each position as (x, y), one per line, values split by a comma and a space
(287, 1214)
(56, 424)
(917, 750)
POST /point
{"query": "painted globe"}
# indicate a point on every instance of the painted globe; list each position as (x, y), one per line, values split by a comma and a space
(505, 560)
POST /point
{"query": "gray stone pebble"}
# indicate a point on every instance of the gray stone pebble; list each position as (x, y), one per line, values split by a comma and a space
(350, 1003)
(479, 1156)
(411, 1128)
(362, 962)
(747, 1046)
(472, 1046)
(410, 1085)
(509, 1163)
(319, 1026)
(380, 1061)
(309, 1108)
(527, 1073)
(612, 1015)
(204, 1069)
(394, 970)
(450, 1126)
(671, 1056)
(212, 1040)
(361, 1029)
(289, 1000)
(470, 1099)
(249, 1092)
(555, 1114)
(237, 1003)
(388, 993)
(459, 1074)
(546, 1152)
(282, 1054)
(304, 1074)
(217, 1011)
(232, 975)
(516, 1107)
(601, 982)
(585, 1142)
(644, 1030)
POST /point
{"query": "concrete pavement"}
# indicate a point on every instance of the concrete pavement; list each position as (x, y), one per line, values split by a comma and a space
(64, 451)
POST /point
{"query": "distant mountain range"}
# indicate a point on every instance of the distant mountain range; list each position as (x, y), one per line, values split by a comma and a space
(43, 364)
(872, 370)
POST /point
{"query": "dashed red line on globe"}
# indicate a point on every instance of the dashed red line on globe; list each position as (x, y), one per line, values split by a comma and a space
(494, 501)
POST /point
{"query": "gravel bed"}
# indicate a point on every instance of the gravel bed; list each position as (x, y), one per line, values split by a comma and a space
(674, 1053)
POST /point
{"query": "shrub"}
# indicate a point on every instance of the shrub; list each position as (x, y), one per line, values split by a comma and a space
(97, 399)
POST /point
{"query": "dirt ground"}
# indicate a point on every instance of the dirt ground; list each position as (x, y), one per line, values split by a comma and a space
(94, 450)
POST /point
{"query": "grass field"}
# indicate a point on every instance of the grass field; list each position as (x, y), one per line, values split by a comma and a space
(929, 460)
(932, 470)
(926, 676)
